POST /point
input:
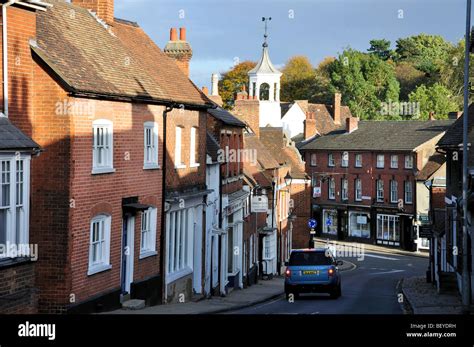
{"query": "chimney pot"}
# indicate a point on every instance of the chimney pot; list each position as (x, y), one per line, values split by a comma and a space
(173, 34)
(205, 91)
(182, 34)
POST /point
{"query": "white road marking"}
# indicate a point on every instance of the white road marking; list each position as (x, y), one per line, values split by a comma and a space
(379, 256)
(387, 272)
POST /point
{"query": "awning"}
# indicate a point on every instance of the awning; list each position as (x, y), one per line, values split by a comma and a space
(134, 208)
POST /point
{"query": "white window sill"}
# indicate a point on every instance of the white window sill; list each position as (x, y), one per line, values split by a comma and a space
(171, 277)
(99, 268)
(195, 165)
(151, 167)
(181, 166)
(147, 254)
(100, 171)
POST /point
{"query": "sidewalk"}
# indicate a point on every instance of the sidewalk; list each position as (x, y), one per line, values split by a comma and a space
(238, 299)
(423, 298)
(374, 248)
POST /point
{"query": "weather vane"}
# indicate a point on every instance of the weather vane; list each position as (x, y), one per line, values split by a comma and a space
(266, 20)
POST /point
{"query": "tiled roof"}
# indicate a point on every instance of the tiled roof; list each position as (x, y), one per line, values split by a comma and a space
(116, 61)
(381, 135)
(324, 117)
(226, 117)
(12, 138)
(264, 157)
(453, 136)
(274, 140)
(434, 163)
(212, 147)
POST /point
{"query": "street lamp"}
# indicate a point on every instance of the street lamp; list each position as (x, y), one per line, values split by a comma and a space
(288, 179)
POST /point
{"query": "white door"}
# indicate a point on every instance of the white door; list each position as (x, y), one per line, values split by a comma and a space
(197, 259)
(128, 253)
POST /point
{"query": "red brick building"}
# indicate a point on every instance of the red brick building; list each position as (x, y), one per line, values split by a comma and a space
(364, 179)
(97, 110)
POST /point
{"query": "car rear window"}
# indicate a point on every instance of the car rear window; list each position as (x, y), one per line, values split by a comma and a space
(310, 258)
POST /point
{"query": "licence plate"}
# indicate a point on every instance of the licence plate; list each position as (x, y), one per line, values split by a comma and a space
(311, 273)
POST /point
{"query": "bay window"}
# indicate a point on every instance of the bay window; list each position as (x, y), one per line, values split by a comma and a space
(14, 203)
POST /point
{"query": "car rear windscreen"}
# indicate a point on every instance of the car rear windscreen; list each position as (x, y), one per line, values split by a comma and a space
(309, 258)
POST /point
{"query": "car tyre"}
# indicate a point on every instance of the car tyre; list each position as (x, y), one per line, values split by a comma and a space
(337, 292)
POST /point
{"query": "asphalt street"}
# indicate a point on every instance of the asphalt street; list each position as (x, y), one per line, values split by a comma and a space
(370, 288)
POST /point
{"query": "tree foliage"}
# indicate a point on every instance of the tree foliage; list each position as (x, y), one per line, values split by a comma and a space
(381, 48)
(233, 80)
(436, 98)
(365, 81)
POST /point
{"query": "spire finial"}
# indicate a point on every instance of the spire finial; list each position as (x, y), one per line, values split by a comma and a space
(266, 20)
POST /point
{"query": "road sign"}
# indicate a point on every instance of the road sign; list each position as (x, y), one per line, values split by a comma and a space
(329, 222)
(316, 192)
(312, 223)
(425, 231)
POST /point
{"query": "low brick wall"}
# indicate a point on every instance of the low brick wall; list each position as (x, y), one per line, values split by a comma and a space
(17, 292)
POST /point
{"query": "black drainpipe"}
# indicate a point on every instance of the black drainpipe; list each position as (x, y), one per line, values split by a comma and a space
(167, 110)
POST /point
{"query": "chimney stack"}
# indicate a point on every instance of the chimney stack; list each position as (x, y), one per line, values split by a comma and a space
(179, 50)
(103, 8)
(205, 91)
(337, 108)
(215, 85)
(352, 124)
(310, 125)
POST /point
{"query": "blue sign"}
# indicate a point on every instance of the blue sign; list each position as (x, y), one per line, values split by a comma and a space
(329, 222)
(312, 223)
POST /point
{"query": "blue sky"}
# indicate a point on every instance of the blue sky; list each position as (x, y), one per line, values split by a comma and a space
(223, 32)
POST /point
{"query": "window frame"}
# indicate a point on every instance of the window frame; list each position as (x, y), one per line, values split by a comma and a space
(313, 163)
(357, 182)
(409, 158)
(331, 160)
(393, 192)
(406, 191)
(148, 248)
(178, 148)
(383, 161)
(193, 146)
(344, 189)
(358, 163)
(16, 223)
(394, 165)
(380, 187)
(154, 163)
(109, 152)
(332, 187)
(104, 265)
(345, 159)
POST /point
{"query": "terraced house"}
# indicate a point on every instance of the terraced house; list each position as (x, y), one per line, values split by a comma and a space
(94, 91)
(364, 179)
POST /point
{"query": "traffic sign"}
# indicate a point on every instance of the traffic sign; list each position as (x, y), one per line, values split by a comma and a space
(312, 223)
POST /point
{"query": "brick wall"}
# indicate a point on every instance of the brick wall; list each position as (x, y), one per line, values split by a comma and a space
(17, 290)
(248, 111)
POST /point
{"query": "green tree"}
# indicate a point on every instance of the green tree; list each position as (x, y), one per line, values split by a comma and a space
(409, 78)
(436, 98)
(365, 81)
(380, 48)
(426, 52)
(233, 80)
(298, 80)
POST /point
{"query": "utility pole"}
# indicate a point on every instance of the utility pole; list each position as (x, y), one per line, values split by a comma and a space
(466, 280)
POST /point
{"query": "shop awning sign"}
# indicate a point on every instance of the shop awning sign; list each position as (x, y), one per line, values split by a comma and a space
(259, 204)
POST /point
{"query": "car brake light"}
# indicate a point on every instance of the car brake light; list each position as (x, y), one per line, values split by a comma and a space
(331, 272)
(288, 273)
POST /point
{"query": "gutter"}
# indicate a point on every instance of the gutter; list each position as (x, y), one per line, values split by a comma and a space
(5, 55)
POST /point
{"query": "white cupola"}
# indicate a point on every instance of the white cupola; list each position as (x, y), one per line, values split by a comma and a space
(264, 82)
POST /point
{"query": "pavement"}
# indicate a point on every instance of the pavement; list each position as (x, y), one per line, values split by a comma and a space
(423, 298)
(263, 291)
(373, 248)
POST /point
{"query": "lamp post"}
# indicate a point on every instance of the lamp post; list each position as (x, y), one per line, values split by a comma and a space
(430, 274)
(466, 280)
